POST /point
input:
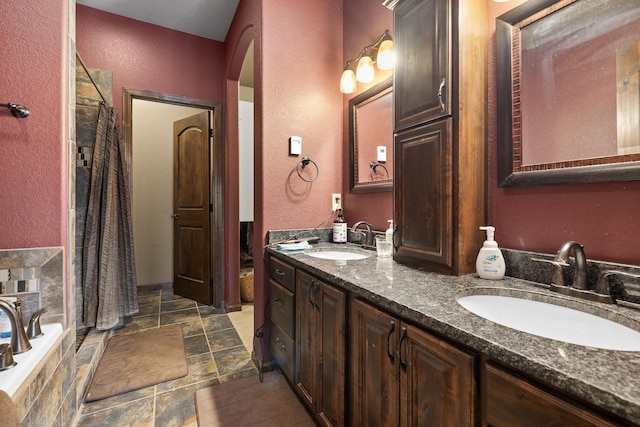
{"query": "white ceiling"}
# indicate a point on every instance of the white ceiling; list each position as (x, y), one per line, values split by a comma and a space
(205, 18)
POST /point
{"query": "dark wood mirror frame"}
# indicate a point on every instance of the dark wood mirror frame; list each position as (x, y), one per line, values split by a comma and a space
(626, 168)
(371, 94)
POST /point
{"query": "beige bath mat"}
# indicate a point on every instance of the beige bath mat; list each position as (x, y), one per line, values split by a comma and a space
(139, 360)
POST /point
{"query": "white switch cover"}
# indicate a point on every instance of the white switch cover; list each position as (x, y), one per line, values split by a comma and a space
(295, 145)
(382, 153)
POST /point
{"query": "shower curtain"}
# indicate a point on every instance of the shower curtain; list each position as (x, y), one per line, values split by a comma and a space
(109, 270)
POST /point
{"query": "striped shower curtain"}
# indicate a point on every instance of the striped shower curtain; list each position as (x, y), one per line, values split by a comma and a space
(109, 270)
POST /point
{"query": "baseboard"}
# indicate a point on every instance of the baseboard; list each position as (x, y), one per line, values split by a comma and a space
(229, 308)
(271, 365)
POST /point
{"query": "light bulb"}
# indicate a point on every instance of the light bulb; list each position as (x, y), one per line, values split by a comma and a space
(385, 55)
(348, 81)
(365, 71)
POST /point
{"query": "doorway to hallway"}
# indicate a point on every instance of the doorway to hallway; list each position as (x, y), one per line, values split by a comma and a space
(148, 120)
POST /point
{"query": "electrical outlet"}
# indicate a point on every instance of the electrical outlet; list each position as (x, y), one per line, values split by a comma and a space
(336, 201)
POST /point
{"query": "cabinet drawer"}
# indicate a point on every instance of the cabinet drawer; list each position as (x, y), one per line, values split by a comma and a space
(510, 400)
(283, 273)
(283, 350)
(282, 304)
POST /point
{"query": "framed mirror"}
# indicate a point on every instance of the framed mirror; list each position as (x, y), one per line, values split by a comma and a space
(371, 139)
(568, 98)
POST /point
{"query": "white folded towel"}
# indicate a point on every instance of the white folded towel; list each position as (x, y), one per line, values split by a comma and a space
(293, 246)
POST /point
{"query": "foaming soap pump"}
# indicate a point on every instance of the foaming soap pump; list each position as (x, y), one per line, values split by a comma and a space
(389, 233)
(490, 263)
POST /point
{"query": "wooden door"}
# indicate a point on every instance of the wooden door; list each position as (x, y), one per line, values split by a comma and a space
(192, 204)
(437, 382)
(423, 180)
(331, 389)
(375, 384)
(422, 76)
(307, 339)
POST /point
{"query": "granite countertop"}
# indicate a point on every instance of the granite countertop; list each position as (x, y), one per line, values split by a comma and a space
(606, 378)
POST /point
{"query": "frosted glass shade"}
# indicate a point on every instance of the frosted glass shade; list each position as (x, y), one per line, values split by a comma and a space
(365, 71)
(348, 81)
(384, 59)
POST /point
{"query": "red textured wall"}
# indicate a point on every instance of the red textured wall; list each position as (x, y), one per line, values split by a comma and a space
(301, 66)
(364, 22)
(148, 57)
(603, 216)
(298, 56)
(33, 162)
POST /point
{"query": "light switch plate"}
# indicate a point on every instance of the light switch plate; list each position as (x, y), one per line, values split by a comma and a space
(382, 153)
(295, 145)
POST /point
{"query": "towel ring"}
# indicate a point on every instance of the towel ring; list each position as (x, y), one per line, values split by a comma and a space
(305, 162)
(372, 169)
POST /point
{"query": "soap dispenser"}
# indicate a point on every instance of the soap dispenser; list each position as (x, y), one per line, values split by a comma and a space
(340, 229)
(389, 232)
(490, 263)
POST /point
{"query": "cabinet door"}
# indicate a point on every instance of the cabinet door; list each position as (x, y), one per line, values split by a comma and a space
(437, 385)
(509, 400)
(423, 196)
(422, 77)
(332, 308)
(375, 386)
(307, 336)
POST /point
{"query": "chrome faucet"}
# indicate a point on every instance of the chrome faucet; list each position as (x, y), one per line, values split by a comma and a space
(368, 235)
(19, 341)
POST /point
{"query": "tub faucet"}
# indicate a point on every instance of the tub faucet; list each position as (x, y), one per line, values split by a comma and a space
(19, 341)
(368, 235)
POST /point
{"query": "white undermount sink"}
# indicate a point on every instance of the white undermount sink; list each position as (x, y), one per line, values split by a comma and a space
(553, 321)
(337, 254)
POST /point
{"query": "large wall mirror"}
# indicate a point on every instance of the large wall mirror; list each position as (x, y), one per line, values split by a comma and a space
(568, 92)
(371, 139)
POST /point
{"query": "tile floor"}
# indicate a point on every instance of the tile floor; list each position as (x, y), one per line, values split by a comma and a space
(218, 348)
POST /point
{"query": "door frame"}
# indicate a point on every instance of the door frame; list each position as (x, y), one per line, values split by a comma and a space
(216, 173)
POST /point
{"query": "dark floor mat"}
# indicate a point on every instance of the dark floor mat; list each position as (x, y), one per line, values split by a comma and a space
(139, 360)
(249, 402)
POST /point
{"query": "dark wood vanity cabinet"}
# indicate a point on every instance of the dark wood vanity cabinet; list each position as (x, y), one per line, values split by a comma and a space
(509, 399)
(320, 348)
(282, 309)
(423, 160)
(440, 132)
(402, 375)
(422, 73)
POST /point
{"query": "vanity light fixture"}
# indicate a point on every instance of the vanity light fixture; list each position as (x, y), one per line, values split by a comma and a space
(365, 72)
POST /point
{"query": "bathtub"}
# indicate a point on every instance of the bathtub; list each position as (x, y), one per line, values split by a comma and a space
(30, 362)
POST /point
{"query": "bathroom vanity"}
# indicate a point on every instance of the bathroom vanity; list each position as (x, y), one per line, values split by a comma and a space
(374, 342)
